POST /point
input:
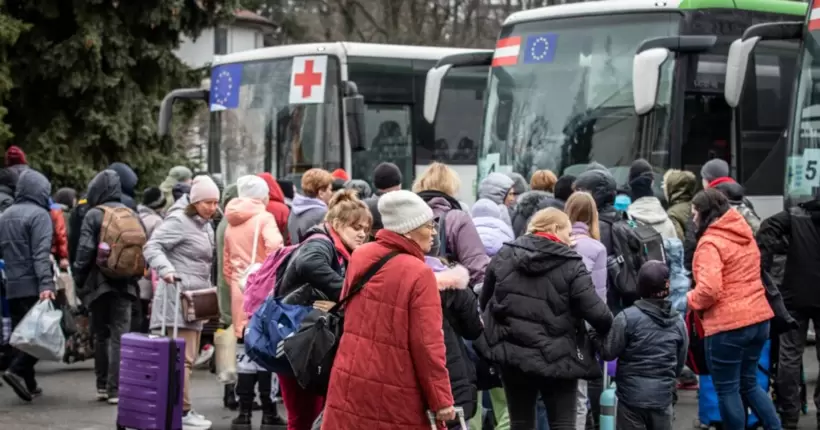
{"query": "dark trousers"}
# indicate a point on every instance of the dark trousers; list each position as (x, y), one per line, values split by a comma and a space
(629, 418)
(788, 380)
(110, 319)
(522, 392)
(22, 364)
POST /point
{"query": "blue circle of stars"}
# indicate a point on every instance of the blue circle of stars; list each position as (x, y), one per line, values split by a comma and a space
(537, 44)
(224, 86)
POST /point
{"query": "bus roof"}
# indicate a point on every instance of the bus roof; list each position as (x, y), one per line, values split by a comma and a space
(607, 7)
(349, 49)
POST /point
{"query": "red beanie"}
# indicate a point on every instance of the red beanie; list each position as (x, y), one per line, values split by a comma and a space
(340, 174)
(15, 156)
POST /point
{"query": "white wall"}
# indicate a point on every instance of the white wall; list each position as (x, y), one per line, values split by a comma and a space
(197, 53)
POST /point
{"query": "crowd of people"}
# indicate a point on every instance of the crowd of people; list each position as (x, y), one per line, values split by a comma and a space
(507, 309)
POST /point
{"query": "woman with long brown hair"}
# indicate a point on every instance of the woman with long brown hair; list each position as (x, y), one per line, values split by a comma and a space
(583, 214)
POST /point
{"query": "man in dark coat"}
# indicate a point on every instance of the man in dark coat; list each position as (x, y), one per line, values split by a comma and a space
(110, 300)
(8, 183)
(25, 239)
(386, 178)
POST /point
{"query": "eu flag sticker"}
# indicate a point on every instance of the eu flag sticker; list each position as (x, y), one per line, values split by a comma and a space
(540, 48)
(225, 82)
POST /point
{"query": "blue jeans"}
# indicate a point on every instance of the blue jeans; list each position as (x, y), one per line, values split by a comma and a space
(732, 357)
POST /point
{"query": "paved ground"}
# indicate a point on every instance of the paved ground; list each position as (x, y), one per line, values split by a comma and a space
(68, 402)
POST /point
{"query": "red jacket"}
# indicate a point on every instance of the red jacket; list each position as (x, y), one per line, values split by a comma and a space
(59, 242)
(276, 205)
(390, 367)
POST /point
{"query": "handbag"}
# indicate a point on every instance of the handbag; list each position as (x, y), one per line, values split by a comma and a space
(199, 305)
(312, 349)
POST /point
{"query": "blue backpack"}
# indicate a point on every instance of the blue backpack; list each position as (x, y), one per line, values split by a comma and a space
(268, 328)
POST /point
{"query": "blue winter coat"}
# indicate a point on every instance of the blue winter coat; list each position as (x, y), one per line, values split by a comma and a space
(679, 280)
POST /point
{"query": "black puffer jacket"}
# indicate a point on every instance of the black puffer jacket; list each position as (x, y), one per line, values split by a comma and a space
(103, 190)
(461, 321)
(649, 340)
(317, 267)
(528, 204)
(537, 294)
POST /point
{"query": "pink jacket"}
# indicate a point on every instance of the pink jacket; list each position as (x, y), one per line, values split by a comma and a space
(242, 215)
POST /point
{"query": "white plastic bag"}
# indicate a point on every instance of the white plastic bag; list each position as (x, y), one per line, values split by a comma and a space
(39, 333)
(225, 359)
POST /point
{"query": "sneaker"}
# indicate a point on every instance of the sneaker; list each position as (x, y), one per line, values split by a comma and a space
(204, 356)
(35, 392)
(242, 422)
(113, 400)
(18, 385)
(195, 421)
(102, 394)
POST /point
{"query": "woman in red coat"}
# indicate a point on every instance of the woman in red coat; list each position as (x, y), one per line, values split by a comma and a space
(276, 204)
(391, 367)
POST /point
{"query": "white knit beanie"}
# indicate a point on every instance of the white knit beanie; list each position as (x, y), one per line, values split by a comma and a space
(203, 188)
(403, 211)
(252, 187)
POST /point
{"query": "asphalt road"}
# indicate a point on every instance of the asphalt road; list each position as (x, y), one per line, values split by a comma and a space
(68, 401)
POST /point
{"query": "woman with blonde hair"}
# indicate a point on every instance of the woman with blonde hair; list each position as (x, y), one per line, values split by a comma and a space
(537, 288)
(438, 187)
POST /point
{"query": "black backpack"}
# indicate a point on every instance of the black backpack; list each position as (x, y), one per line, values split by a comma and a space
(439, 248)
(633, 244)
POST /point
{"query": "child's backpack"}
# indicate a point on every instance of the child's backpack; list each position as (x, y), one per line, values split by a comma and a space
(633, 244)
(266, 280)
(122, 231)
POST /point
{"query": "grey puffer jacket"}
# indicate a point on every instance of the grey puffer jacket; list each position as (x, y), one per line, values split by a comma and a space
(650, 342)
(150, 218)
(495, 188)
(25, 238)
(103, 190)
(184, 246)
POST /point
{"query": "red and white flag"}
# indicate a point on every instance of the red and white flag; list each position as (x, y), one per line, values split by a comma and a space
(507, 50)
(814, 16)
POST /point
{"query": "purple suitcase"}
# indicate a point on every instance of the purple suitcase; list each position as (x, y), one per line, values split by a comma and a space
(151, 380)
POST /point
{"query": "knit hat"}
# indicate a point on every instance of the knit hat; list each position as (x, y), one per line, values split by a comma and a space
(386, 175)
(337, 184)
(203, 188)
(152, 197)
(8, 178)
(340, 174)
(287, 188)
(640, 167)
(15, 156)
(180, 190)
(252, 187)
(652, 280)
(403, 211)
(520, 185)
(563, 188)
(362, 188)
(66, 196)
(713, 169)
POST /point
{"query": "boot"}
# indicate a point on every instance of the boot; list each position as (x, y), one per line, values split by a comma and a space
(270, 417)
(229, 398)
(243, 420)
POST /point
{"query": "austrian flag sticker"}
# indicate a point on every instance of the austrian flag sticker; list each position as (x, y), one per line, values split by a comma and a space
(814, 16)
(507, 50)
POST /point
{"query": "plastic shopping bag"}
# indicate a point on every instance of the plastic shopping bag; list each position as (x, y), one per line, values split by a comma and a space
(225, 360)
(39, 334)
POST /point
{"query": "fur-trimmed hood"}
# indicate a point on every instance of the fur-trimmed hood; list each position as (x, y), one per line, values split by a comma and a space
(448, 278)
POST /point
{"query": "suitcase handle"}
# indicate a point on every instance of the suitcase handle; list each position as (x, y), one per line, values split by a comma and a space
(163, 324)
(459, 414)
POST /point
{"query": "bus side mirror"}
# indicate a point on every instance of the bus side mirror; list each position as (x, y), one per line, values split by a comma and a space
(166, 108)
(646, 70)
(736, 64)
(432, 91)
(354, 117)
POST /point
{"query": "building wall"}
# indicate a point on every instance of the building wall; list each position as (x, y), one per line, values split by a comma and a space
(197, 53)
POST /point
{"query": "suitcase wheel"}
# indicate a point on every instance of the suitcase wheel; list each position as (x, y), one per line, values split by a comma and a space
(698, 425)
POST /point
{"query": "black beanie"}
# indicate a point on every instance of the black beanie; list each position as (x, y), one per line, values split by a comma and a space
(287, 188)
(641, 177)
(652, 280)
(152, 197)
(563, 187)
(639, 167)
(180, 190)
(386, 175)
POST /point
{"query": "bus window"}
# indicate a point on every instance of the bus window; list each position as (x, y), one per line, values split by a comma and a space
(387, 131)
(764, 112)
(456, 128)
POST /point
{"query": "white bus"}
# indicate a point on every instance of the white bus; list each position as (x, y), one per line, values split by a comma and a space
(290, 108)
(616, 80)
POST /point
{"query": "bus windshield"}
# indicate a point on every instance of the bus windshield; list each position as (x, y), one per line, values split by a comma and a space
(803, 153)
(256, 129)
(566, 99)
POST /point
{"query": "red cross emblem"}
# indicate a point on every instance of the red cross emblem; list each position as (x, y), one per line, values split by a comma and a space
(307, 79)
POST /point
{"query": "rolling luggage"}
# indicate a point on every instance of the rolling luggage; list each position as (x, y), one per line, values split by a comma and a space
(609, 399)
(708, 412)
(151, 379)
(461, 419)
